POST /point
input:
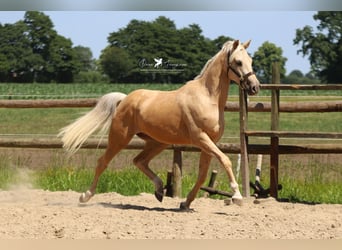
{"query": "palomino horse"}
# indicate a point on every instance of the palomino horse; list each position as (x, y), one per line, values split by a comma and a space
(192, 114)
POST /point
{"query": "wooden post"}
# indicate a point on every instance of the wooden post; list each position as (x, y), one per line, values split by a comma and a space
(177, 173)
(168, 186)
(244, 142)
(211, 183)
(212, 179)
(274, 157)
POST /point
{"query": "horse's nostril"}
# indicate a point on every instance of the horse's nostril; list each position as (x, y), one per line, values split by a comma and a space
(255, 89)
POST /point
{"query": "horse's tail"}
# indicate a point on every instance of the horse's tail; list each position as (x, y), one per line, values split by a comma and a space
(75, 134)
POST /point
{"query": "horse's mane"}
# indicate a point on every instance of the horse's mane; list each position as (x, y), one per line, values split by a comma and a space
(225, 48)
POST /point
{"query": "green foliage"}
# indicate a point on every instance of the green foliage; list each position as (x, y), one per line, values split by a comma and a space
(88, 67)
(128, 181)
(297, 77)
(7, 173)
(263, 58)
(62, 55)
(32, 51)
(60, 91)
(54, 50)
(84, 57)
(91, 76)
(324, 48)
(13, 46)
(116, 63)
(63, 178)
(183, 51)
(311, 183)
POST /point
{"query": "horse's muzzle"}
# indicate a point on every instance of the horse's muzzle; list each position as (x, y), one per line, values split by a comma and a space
(253, 89)
(251, 84)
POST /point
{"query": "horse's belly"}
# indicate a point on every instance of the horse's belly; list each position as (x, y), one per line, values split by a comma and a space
(167, 131)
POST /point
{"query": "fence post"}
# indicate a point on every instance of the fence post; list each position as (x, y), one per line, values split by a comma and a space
(244, 142)
(274, 157)
(177, 173)
(168, 186)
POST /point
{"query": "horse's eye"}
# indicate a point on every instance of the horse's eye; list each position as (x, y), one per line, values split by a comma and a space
(238, 63)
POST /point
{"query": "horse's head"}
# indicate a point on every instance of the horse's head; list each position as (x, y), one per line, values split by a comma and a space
(240, 67)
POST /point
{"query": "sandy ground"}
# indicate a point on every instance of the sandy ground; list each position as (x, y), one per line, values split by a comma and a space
(37, 214)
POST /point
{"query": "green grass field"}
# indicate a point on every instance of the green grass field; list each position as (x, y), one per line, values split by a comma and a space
(309, 178)
(60, 91)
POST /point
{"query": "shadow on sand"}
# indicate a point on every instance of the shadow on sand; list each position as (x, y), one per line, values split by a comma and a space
(140, 208)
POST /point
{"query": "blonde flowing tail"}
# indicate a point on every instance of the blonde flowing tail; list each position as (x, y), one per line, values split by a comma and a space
(74, 135)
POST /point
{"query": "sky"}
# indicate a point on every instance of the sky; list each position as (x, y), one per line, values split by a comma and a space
(91, 28)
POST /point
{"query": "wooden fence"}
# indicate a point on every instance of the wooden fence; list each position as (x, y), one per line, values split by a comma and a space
(244, 148)
(274, 134)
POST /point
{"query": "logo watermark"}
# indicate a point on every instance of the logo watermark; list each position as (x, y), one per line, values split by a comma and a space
(159, 65)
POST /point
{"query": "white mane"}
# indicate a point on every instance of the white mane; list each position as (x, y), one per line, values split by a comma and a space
(225, 48)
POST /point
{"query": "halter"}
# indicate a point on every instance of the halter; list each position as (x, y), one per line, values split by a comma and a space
(243, 78)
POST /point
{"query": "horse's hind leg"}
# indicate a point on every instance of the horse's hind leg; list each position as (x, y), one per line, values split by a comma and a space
(151, 149)
(116, 142)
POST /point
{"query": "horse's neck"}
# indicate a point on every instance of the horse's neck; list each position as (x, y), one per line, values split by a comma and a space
(216, 80)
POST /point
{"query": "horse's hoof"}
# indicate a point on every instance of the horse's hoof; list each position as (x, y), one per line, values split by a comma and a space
(237, 201)
(185, 208)
(228, 202)
(85, 197)
(159, 196)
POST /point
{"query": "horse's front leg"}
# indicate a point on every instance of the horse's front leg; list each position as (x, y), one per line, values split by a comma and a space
(204, 163)
(208, 146)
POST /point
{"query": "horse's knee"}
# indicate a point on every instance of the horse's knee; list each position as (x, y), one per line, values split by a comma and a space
(226, 162)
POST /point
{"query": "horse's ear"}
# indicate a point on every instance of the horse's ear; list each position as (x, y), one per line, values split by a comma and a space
(236, 44)
(246, 44)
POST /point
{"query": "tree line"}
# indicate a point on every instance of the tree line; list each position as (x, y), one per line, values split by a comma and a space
(32, 51)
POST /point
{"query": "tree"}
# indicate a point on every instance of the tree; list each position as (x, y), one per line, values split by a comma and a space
(297, 77)
(263, 58)
(57, 58)
(324, 48)
(219, 41)
(196, 50)
(116, 63)
(84, 57)
(89, 72)
(31, 50)
(63, 63)
(17, 60)
(40, 32)
(183, 51)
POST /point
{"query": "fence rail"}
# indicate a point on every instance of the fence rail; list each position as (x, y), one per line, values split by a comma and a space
(289, 107)
(231, 148)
